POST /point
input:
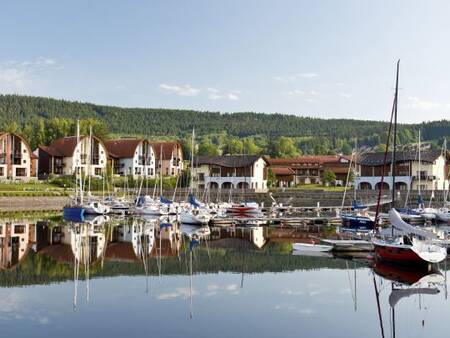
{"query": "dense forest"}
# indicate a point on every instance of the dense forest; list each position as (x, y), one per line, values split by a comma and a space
(41, 120)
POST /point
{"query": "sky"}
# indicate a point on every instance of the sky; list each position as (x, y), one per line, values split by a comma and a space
(328, 59)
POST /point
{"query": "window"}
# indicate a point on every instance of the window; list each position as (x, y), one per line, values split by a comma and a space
(2, 171)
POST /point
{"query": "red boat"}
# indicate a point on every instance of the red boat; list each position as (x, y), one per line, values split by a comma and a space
(406, 249)
(244, 208)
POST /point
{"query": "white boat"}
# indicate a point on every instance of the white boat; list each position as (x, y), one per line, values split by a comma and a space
(96, 208)
(311, 247)
(191, 231)
(349, 244)
(443, 215)
(196, 216)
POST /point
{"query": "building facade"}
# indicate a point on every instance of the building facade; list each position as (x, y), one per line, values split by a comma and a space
(169, 158)
(17, 162)
(308, 169)
(431, 173)
(230, 172)
(64, 155)
(131, 157)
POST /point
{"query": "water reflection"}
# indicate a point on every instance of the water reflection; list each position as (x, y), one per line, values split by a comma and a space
(248, 275)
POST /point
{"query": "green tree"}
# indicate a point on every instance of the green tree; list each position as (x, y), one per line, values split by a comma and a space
(207, 148)
(285, 147)
(329, 177)
(271, 178)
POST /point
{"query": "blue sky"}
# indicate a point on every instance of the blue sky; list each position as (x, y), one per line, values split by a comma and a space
(311, 58)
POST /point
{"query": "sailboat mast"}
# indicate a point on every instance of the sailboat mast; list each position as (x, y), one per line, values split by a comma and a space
(395, 135)
(420, 166)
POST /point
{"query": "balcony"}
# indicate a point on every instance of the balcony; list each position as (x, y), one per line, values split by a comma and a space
(424, 177)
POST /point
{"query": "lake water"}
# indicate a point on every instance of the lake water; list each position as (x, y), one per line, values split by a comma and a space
(129, 278)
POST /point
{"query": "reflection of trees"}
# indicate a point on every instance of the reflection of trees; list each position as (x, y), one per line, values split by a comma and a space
(42, 269)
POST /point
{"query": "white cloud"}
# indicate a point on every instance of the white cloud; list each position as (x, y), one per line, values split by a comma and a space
(183, 90)
(295, 76)
(182, 293)
(16, 76)
(214, 289)
(215, 94)
(416, 103)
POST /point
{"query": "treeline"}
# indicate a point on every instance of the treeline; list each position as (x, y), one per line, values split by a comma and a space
(42, 120)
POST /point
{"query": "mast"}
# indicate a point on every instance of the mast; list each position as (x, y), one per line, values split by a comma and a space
(420, 172)
(395, 135)
(191, 187)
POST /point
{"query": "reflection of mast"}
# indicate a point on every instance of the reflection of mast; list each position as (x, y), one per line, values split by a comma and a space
(377, 295)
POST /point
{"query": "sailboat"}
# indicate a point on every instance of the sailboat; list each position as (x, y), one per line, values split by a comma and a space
(93, 206)
(74, 210)
(195, 213)
(413, 246)
(358, 219)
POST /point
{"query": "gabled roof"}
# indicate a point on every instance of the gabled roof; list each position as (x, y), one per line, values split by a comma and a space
(375, 159)
(122, 148)
(120, 252)
(164, 148)
(319, 159)
(282, 171)
(229, 161)
(64, 146)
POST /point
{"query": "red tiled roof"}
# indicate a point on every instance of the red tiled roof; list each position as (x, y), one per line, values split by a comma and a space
(122, 148)
(59, 252)
(282, 171)
(121, 252)
(166, 148)
(320, 159)
(64, 146)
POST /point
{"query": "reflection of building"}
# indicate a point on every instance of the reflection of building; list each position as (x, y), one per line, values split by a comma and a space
(432, 171)
(83, 242)
(168, 241)
(230, 172)
(64, 155)
(15, 240)
(133, 157)
(254, 236)
(131, 242)
(308, 169)
(169, 158)
(16, 159)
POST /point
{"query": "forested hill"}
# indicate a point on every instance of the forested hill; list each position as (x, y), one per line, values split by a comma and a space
(27, 111)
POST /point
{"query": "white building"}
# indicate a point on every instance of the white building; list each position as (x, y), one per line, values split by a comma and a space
(17, 162)
(169, 158)
(64, 155)
(230, 172)
(431, 173)
(132, 157)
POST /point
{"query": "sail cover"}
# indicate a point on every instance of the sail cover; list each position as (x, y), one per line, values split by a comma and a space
(398, 294)
(194, 201)
(401, 225)
(355, 205)
(165, 200)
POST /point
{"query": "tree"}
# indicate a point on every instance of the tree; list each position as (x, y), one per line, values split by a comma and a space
(285, 147)
(271, 178)
(233, 146)
(207, 148)
(328, 177)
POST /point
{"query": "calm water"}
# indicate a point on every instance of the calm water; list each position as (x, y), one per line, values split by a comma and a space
(244, 283)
